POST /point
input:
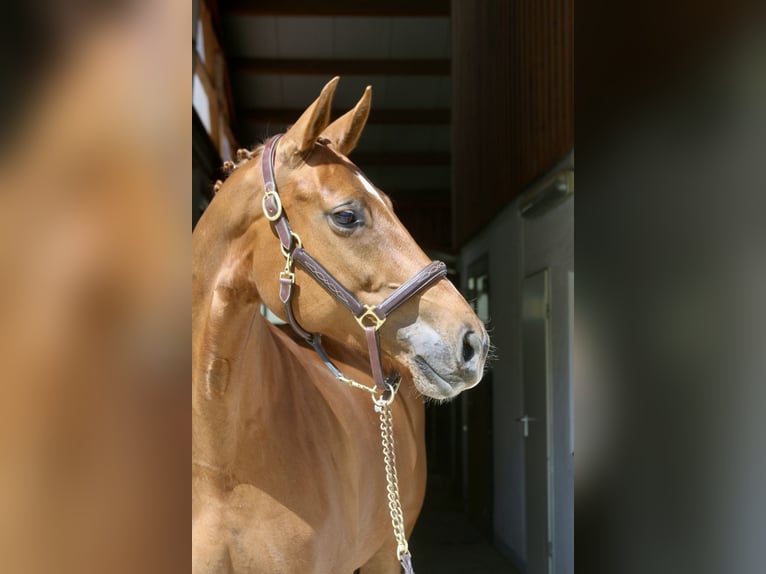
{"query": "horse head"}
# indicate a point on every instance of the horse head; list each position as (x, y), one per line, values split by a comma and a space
(349, 226)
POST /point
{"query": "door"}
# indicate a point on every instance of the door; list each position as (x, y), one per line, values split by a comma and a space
(535, 420)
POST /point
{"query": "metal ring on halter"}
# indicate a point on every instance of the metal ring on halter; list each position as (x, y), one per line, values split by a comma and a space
(277, 200)
(386, 397)
(402, 548)
(369, 313)
(298, 244)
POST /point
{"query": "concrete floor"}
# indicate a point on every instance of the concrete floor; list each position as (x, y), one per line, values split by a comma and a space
(444, 542)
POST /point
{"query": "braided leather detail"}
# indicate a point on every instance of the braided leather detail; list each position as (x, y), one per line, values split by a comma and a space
(413, 286)
(323, 277)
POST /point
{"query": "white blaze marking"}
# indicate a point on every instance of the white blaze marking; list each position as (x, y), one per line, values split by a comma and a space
(369, 187)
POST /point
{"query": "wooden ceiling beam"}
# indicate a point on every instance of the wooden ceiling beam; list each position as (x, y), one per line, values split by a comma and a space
(337, 7)
(343, 67)
(377, 116)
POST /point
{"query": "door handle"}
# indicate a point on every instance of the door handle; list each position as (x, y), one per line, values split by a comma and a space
(525, 420)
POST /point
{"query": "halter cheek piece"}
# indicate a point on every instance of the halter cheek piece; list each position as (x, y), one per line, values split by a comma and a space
(369, 318)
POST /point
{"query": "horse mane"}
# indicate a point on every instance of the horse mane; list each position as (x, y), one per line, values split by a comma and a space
(243, 156)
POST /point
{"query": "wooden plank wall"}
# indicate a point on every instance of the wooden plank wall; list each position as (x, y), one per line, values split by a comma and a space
(512, 101)
(214, 74)
(427, 217)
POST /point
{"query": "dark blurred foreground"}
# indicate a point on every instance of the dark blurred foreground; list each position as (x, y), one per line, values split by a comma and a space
(671, 288)
(94, 288)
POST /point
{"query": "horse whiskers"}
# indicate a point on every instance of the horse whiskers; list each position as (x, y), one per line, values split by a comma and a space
(492, 356)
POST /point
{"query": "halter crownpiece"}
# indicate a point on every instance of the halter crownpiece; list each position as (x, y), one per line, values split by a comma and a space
(369, 318)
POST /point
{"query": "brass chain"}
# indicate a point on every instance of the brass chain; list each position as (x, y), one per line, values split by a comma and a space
(392, 480)
(383, 407)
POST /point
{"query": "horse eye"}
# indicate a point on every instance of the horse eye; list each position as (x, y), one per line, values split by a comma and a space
(345, 218)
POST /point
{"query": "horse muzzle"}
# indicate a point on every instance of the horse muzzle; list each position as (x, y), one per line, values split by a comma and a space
(444, 366)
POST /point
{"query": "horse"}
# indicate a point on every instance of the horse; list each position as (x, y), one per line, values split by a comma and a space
(287, 470)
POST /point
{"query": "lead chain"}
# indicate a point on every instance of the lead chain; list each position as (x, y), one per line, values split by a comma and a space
(392, 487)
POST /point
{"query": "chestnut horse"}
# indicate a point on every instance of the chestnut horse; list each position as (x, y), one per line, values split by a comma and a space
(287, 471)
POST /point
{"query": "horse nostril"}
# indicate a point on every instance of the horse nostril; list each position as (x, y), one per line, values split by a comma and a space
(468, 349)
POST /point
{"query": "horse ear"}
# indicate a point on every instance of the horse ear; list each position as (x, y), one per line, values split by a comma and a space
(299, 139)
(345, 131)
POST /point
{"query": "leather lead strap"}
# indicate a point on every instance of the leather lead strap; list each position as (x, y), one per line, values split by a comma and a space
(406, 563)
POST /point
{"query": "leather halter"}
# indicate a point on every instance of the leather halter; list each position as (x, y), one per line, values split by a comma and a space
(370, 318)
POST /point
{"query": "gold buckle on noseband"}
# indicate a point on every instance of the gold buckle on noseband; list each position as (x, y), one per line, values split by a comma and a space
(369, 313)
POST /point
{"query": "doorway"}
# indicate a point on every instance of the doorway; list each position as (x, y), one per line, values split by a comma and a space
(476, 408)
(536, 421)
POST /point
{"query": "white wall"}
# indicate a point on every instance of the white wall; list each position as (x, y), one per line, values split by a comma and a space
(518, 247)
(549, 242)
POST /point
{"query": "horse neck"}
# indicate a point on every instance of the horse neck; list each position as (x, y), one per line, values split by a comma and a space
(225, 301)
(223, 293)
(235, 352)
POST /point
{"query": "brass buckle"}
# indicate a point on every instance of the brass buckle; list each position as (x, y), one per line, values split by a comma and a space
(287, 275)
(271, 192)
(370, 313)
(288, 271)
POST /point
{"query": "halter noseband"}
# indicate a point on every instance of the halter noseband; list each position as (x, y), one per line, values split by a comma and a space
(370, 318)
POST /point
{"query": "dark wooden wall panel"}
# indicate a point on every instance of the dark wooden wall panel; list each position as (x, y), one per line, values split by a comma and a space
(512, 101)
(427, 219)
